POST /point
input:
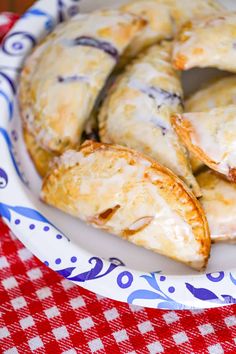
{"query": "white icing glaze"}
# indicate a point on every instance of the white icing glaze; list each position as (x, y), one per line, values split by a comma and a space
(171, 15)
(208, 42)
(155, 30)
(156, 93)
(215, 133)
(137, 112)
(96, 25)
(106, 180)
(64, 75)
(69, 158)
(219, 203)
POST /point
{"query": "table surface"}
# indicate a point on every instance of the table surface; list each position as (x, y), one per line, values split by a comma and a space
(41, 312)
(15, 5)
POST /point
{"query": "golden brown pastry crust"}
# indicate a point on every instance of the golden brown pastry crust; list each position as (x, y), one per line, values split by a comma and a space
(207, 42)
(198, 130)
(196, 164)
(125, 193)
(164, 18)
(155, 31)
(219, 204)
(41, 158)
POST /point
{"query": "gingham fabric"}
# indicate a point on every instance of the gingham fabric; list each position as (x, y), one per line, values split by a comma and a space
(7, 20)
(40, 312)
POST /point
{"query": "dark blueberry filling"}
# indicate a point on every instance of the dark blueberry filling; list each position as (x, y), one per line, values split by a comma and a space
(96, 43)
(162, 96)
(68, 79)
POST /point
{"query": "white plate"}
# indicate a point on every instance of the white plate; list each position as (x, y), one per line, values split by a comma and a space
(97, 261)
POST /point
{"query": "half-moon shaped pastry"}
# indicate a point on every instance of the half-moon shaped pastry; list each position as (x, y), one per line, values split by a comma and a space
(219, 204)
(211, 136)
(63, 76)
(41, 158)
(209, 42)
(220, 93)
(123, 192)
(164, 18)
(137, 111)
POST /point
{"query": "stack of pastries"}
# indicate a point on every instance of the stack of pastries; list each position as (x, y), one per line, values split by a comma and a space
(162, 172)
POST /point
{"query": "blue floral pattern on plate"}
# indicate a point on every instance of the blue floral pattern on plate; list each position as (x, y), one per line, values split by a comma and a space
(22, 213)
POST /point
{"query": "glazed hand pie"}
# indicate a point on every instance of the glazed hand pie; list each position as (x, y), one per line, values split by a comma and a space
(211, 136)
(219, 204)
(208, 42)
(63, 76)
(123, 192)
(136, 113)
(217, 94)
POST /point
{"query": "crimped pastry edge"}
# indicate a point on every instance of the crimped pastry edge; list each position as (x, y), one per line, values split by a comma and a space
(89, 147)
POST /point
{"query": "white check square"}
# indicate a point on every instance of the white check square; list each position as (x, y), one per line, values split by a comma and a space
(86, 323)
(60, 332)
(95, 345)
(27, 322)
(180, 338)
(9, 283)
(18, 302)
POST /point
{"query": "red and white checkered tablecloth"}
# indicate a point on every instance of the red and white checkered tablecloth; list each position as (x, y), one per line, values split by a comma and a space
(40, 312)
